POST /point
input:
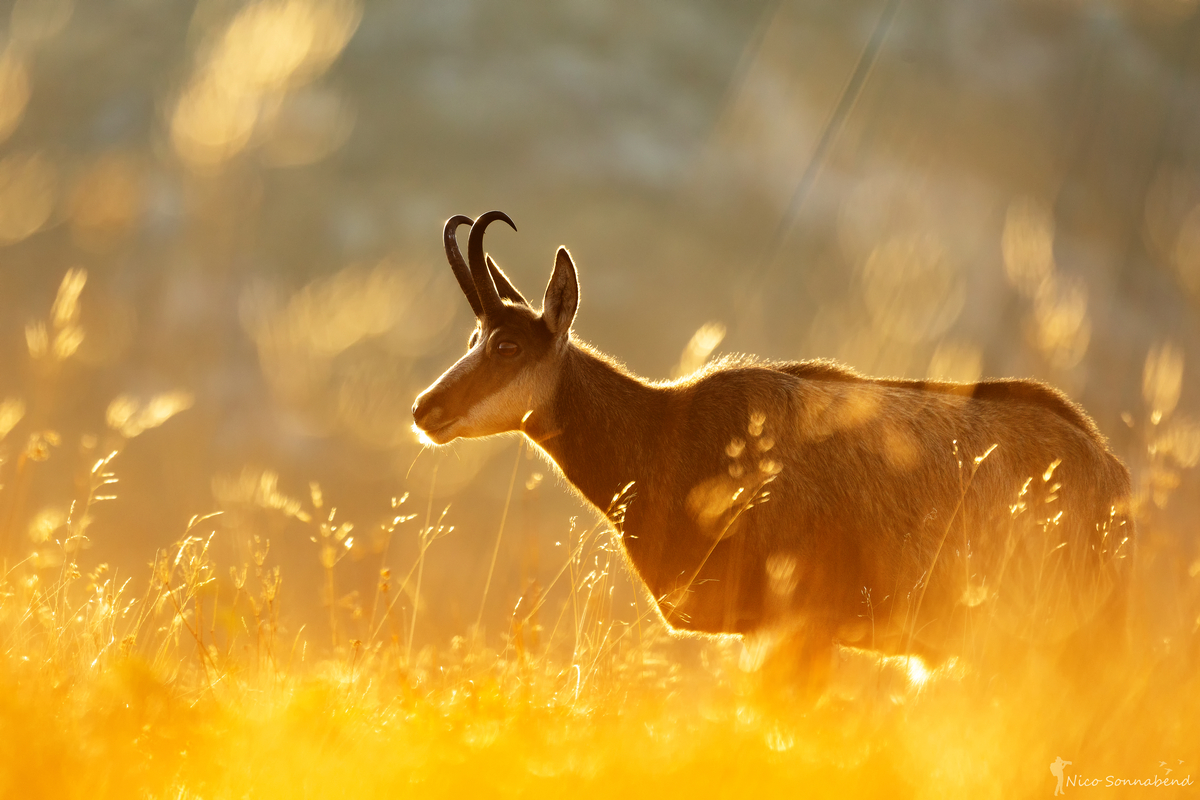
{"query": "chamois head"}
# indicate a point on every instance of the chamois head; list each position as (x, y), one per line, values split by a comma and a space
(510, 370)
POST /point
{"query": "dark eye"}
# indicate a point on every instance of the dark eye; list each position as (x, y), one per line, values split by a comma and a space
(508, 348)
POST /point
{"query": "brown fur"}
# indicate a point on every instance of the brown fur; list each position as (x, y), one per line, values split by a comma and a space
(866, 489)
(895, 515)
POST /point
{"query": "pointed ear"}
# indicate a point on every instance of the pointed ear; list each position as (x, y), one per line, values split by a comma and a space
(503, 284)
(562, 295)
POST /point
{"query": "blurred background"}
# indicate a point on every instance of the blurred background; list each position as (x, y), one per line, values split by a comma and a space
(220, 244)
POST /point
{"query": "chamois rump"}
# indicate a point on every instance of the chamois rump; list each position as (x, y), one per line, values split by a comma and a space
(898, 516)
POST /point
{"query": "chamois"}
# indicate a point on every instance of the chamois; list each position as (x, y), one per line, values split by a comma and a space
(891, 515)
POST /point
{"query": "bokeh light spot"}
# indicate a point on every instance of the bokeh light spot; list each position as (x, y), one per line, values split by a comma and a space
(702, 344)
(961, 362)
(264, 44)
(1028, 244)
(28, 182)
(912, 289)
(212, 122)
(244, 77)
(14, 91)
(1162, 379)
(11, 412)
(1062, 327)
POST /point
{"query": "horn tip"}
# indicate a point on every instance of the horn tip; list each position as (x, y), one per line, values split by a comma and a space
(499, 215)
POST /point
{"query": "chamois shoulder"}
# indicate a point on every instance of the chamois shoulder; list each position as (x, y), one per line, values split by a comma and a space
(1000, 390)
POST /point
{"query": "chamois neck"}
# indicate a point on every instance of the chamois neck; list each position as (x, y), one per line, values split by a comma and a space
(603, 425)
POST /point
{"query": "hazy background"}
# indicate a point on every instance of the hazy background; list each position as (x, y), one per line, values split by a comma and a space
(256, 192)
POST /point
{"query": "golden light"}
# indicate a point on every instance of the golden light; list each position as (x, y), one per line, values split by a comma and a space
(105, 201)
(268, 50)
(332, 345)
(912, 288)
(1062, 328)
(257, 487)
(1027, 244)
(974, 595)
(782, 577)
(955, 361)
(1172, 193)
(11, 412)
(66, 342)
(918, 673)
(913, 227)
(702, 344)
(297, 339)
(373, 399)
(28, 182)
(130, 417)
(65, 311)
(37, 340)
(14, 91)
(780, 740)
(1180, 441)
(900, 447)
(263, 45)
(45, 523)
(275, 44)
(212, 122)
(334, 22)
(1162, 379)
(710, 501)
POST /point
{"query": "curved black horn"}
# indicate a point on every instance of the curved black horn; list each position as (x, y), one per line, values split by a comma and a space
(457, 263)
(489, 298)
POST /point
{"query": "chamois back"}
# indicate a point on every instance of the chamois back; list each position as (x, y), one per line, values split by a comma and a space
(1002, 390)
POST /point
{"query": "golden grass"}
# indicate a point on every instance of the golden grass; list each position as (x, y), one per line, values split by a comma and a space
(197, 684)
(189, 688)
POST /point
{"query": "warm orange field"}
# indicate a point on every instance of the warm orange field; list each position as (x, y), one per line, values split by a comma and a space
(222, 276)
(198, 684)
